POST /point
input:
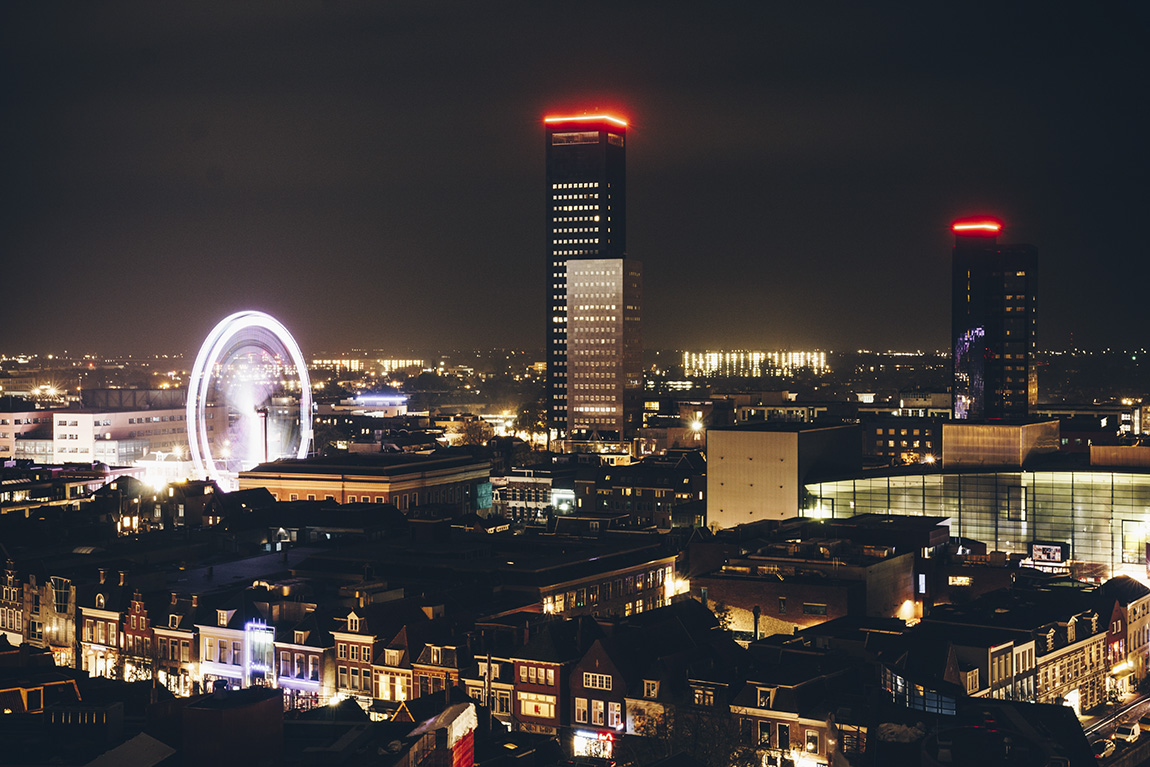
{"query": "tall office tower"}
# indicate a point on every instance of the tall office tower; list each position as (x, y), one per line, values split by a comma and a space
(992, 307)
(594, 292)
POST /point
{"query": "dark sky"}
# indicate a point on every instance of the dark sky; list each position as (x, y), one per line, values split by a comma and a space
(372, 173)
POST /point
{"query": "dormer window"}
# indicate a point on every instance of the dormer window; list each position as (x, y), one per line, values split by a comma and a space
(174, 621)
(353, 623)
(436, 655)
(300, 637)
(221, 617)
(650, 689)
(99, 601)
(764, 697)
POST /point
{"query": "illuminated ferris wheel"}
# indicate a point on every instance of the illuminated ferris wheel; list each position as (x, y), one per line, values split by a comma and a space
(249, 398)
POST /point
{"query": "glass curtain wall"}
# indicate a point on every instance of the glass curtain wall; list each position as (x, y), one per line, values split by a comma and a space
(1104, 516)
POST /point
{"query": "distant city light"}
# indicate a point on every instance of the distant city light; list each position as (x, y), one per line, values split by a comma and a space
(752, 364)
(381, 399)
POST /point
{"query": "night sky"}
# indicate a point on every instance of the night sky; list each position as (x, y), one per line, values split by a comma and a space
(372, 173)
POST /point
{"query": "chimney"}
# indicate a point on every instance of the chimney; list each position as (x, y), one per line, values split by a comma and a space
(174, 598)
(103, 575)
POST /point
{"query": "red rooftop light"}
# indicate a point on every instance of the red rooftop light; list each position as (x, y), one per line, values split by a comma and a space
(977, 226)
(587, 118)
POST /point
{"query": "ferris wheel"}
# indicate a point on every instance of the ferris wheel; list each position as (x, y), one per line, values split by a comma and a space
(249, 398)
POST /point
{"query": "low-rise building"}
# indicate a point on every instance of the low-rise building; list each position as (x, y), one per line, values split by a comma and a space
(758, 471)
(406, 481)
(902, 439)
(675, 659)
(648, 491)
(392, 669)
(176, 644)
(102, 606)
(441, 663)
(783, 586)
(1057, 639)
(787, 704)
(1130, 628)
(303, 650)
(12, 605)
(139, 656)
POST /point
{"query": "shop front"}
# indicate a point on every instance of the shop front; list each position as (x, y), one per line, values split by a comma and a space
(596, 744)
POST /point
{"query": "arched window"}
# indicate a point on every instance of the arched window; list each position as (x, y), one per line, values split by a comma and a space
(100, 601)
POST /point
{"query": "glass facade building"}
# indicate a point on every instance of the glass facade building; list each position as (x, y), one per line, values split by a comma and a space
(1104, 515)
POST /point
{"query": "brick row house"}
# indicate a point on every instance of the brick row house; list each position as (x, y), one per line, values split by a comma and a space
(666, 660)
(41, 610)
(138, 642)
(356, 642)
(12, 606)
(786, 706)
(303, 648)
(491, 682)
(176, 644)
(223, 634)
(1128, 640)
(441, 663)
(396, 651)
(102, 607)
(393, 672)
(542, 672)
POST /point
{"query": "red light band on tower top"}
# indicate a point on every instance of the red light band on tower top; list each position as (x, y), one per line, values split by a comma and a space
(587, 118)
(977, 225)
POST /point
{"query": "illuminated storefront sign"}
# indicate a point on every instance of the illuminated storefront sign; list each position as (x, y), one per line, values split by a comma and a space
(260, 653)
(596, 744)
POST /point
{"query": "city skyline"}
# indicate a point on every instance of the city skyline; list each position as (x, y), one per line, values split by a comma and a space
(792, 186)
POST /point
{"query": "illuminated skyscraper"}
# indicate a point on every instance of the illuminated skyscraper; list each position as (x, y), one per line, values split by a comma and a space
(594, 292)
(992, 323)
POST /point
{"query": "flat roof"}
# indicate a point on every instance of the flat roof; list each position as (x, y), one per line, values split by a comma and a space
(382, 464)
(523, 561)
(785, 426)
(1042, 463)
(887, 521)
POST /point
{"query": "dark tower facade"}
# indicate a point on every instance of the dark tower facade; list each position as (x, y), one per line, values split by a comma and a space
(593, 332)
(993, 308)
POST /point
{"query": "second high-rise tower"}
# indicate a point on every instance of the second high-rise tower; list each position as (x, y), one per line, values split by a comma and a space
(993, 308)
